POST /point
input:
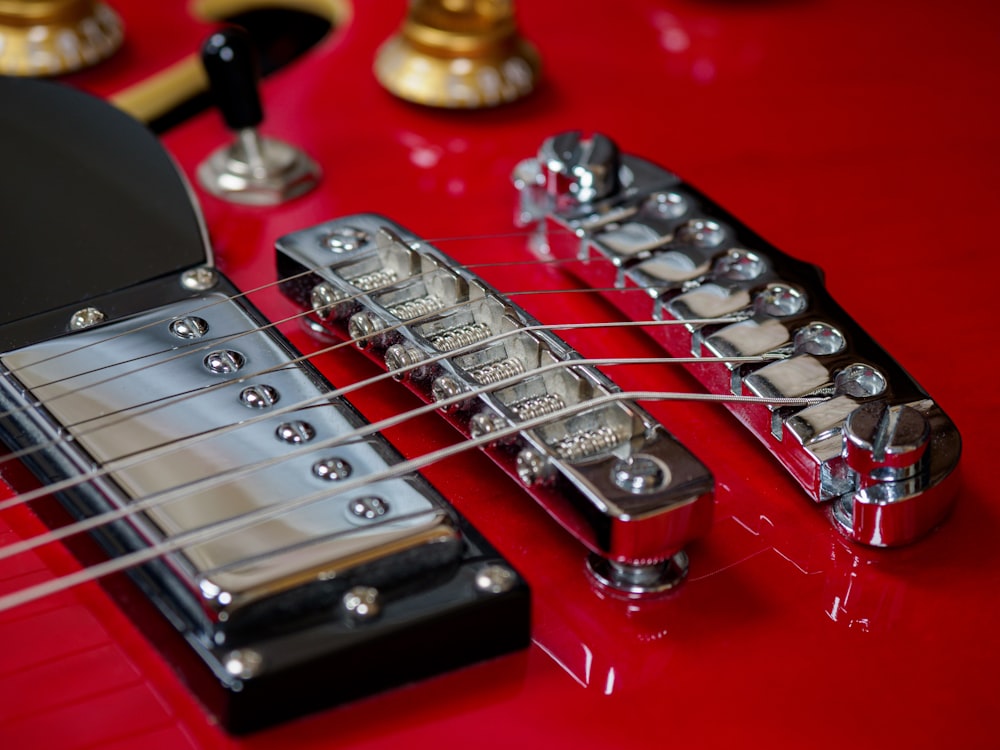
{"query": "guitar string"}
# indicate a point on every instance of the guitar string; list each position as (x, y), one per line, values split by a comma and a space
(196, 347)
(193, 349)
(159, 451)
(308, 271)
(221, 528)
(520, 427)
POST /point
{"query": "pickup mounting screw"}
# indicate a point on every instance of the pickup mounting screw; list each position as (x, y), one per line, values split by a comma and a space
(495, 579)
(85, 318)
(362, 602)
(199, 279)
(243, 663)
(369, 508)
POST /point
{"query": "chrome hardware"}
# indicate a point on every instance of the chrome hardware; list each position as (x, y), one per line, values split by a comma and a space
(639, 580)
(332, 469)
(258, 171)
(363, 325)
(224, 362)
(295, 432)
(460, 336)
(259, 396)
(780, 301)
(199, 279)
(497, 371)
(819, 339)
(446, 387)
(92, 385)
(668, 204)
(703, 233)
(495, 579)
(532, 467)
(492, 368)
(587, 443)
(696, 261)
(345, 240)
(860, 381)
(244, 663)
(324, 299)
(362, 602)
(374, 280)
(640, 474)
(400, 356)
(538, 406)
(885, 443)
(253, 169)
(189, 327)
(85, 318)
(369, 507)
(485, 423)
(417, 308)
(585, 169)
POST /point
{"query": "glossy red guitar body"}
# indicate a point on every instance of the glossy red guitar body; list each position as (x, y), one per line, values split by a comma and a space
(858, 136)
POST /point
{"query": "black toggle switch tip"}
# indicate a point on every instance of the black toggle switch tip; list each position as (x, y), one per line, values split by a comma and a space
(230, 60)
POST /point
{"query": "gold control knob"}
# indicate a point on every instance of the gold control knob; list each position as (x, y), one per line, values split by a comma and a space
(50, 37)
(458, 54)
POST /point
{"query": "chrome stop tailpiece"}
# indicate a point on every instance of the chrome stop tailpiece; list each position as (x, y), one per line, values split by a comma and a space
(877, 448)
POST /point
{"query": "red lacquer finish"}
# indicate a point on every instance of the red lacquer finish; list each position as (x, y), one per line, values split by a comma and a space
(859, 136)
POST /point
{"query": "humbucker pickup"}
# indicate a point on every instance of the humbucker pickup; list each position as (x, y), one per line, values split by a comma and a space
(298, 561)
(876, 446)
(599, 464)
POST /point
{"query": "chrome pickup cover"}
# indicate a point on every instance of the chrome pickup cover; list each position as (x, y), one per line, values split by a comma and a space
(448, 333)
(198, 415)
(877, 445)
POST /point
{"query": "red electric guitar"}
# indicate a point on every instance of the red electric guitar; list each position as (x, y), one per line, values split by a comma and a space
(854, 136)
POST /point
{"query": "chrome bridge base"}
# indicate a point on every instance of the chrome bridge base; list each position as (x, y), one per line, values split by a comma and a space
(638, 581)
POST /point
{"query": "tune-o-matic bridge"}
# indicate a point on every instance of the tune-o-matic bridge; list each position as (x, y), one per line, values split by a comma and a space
(877, 446)
(602, 466)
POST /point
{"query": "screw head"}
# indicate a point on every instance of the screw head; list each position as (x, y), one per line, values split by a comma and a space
(244, 663)
(345, 239)
(224, 362)
(885, 442)
(445, 387)
(495, 579)
(259, 396)
(780, 301)
(703, 233)
(362, 602)
(667, 204)
(400, 356)
(324, 298)
(369, 508)
(860, 381)
(332, 469)
(639, 474)
(190, 327)
(739, 265)
(199, 279)
(485, 423)
(532, 467)
(295, 432)
(819, 339)
(362, 326)
(85, 318)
